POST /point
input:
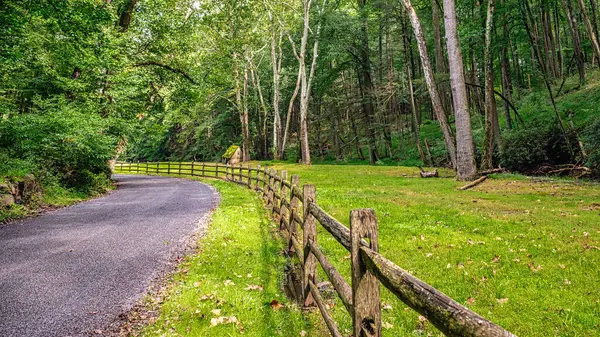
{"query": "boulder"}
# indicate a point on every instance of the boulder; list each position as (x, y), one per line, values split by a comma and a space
(31, 191)
(6, 200)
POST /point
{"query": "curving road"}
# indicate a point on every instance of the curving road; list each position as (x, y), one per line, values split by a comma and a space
(73, 271)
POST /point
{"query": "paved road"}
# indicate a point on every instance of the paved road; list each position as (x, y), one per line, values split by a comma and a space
(75, 270)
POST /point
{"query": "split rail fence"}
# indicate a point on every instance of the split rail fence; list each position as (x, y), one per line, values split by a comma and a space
(295, 208)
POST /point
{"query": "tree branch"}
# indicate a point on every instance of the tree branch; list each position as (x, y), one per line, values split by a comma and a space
(168, 67)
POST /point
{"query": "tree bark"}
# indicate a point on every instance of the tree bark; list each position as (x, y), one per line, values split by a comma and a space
(413, 107)
(491, 114)
(366, 82)
(572, 22)
(590, 29)
(431, 85)
(466, 169)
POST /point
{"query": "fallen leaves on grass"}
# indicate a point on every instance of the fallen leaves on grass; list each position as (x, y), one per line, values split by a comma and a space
(496, 259)
(470, 301)
(276, 305)
(228, 283)
(223, 320)
(502, 300)
(254, 287)
(534, 268)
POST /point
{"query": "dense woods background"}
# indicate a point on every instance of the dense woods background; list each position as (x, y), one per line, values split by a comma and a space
(475, 84)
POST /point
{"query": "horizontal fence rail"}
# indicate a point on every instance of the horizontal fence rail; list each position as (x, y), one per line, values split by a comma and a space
(295, 209)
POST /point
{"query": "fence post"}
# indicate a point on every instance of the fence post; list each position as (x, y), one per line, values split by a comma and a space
(292, 225)
(365, 286)
(240, 173)
(282, 194)
(168, 167)
(271, 187)
(266, 181)
(192, 170)
(249, 177)
(179, 171)
(203, 168)
(217, 171)
(257, 185)
(310, 235)
(121, 166)
(146, 167)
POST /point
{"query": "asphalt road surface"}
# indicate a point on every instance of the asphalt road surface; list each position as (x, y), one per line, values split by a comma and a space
(73, 271)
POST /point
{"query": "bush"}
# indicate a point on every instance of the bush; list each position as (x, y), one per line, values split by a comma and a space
(527, 149)
(591, 140)
(68, 143)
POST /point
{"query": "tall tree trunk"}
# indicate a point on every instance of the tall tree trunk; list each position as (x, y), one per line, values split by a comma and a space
(436, 101)
(276, 58)
(413, 108)
(573, 27)
(466, 169)
(366, 82)
(491, 114)
(506, 76)
(590, 29)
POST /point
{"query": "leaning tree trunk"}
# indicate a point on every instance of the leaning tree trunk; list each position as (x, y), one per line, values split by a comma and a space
(466, 169)
(573, 27)
(436, 101)
(590, 29)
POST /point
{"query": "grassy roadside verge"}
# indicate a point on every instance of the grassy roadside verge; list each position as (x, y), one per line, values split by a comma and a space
(53, 197)
(232, 285)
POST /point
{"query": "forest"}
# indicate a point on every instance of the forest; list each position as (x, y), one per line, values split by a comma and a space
(471, 85)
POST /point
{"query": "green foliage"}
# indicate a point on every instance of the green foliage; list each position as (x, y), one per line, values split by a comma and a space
(62, 141)
(591, 140)
(529, 148)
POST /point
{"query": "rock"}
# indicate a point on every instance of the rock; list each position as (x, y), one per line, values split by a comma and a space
(5, 188)
(6, 200)
(31, 190)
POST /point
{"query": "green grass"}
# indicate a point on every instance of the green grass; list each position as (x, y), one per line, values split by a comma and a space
(239, 252)
(530, 241)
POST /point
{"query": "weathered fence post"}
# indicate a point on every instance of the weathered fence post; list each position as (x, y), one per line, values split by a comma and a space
(240, 174)
(310, 235)
(179, 171)
(292, 225)
(249, 178)
(365, 286)
(282, 200)
(168, 167)
(257, 185)
(192, 170)
(202, 172)
(266, 181)
(217, 171)
(146, 167)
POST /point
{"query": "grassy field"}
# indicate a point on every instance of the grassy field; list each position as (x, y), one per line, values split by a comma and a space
(522, 252)
(232, 285)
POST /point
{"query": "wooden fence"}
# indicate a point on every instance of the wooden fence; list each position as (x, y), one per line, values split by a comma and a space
(295, 208)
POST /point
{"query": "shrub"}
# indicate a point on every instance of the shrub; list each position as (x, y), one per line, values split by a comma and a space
(527, 149)
(591, 141)
(71, 144)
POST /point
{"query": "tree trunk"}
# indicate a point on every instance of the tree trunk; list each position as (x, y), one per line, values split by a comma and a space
(572, 22)
(590, 29)
(366, 82)
(464, 140)
(491, 114)
(431, 85)
(276, 57)
(413, 107)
